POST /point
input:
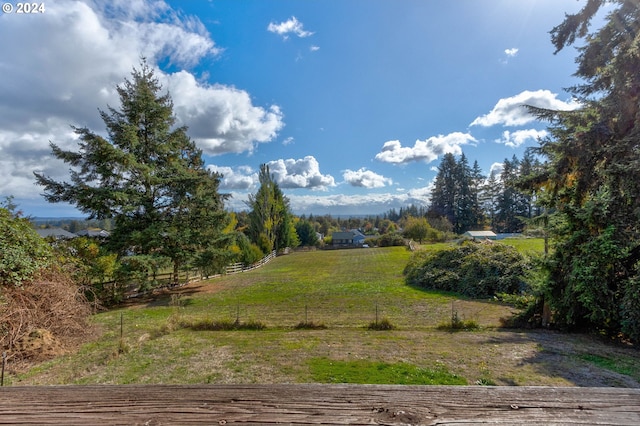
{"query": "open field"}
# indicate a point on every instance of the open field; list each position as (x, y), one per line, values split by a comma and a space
(344, 290)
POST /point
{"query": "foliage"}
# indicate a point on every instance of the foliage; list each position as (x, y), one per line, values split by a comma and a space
(22, 251)
(591, 178)
(90, 263)
(250, 253)
(417, 228)
(148, 176)
(270, 220)
(221, 325)
(473, 269)
(383, 324)
(389, 240)
(306, 233)
(457, 324)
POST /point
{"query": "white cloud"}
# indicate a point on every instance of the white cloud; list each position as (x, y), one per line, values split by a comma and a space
(78, 52)
(512, 112)
(365, 178)
(291, 26)
(221, 119)
(511, 52)
(519, 137)
(427, 150)
(496, 169)
(239, 178)
(314, 48)
(288, 141)
(301, 173)
(371, 203)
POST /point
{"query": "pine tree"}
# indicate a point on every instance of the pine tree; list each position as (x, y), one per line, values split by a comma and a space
(443, 196)
(592, 176)
(147, 175)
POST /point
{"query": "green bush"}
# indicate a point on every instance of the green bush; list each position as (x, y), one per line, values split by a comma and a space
(22, 251)
(389, 240)
(473, 269)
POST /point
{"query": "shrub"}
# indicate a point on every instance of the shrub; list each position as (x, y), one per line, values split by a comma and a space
(22, 251)
(221, 325)
(389, 240)
(473, 269)
(383, 324)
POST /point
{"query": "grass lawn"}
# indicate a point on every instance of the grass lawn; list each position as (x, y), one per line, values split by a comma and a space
(344, 290)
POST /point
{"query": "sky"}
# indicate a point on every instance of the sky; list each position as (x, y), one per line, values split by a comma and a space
(351, 103)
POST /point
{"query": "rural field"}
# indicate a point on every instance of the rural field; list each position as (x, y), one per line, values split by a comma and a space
(188, 336)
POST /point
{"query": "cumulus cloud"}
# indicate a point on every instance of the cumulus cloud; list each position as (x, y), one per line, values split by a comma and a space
(78, 52)
(511, 52)
(221, 119)
(290, 26)
(365, 178)
(301, 173)
(496, 169)
(372, 203)
(512, 111)
(519, 137)
(238, 178)
(427, 150)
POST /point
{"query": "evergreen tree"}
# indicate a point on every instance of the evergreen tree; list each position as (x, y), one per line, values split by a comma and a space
(443, 197)
(147, 175)
(306, 233)
(592, 176)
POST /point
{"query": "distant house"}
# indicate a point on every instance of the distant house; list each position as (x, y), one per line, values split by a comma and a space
(342, 239)
(353, 238)
(57, 233)
(93, 233)
(480, 235)
(358, 237)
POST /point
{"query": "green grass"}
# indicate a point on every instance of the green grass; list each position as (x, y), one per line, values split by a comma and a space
(335, 295)
(324, 370)
(526, 245)
(618, 364)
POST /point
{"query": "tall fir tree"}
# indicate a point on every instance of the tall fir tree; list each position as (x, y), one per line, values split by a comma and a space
(591, 178)
(148, 176)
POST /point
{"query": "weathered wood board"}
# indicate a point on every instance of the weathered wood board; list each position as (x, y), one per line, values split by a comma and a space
(311, 404)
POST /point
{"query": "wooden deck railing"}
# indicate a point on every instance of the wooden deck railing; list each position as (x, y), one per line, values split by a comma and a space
(315, 404)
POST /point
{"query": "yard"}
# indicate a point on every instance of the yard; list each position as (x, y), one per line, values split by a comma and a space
(167, 340)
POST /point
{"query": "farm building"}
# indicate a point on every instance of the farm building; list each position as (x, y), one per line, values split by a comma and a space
(480, 235)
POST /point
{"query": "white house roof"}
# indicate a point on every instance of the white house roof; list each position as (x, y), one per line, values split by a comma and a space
(480, 234)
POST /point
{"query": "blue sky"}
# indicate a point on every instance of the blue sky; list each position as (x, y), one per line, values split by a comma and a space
(352, 103)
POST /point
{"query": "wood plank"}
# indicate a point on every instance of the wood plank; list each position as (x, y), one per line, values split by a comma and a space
(311, 404)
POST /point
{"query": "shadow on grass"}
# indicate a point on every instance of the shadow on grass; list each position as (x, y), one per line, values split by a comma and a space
(582, 359)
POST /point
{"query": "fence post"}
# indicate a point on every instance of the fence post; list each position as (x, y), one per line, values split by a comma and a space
(4, 363)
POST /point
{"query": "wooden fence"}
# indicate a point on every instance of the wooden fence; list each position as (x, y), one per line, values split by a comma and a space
(236, 268)
(165, 280)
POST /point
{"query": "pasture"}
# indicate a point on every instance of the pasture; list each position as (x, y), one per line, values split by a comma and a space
(167, 340)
